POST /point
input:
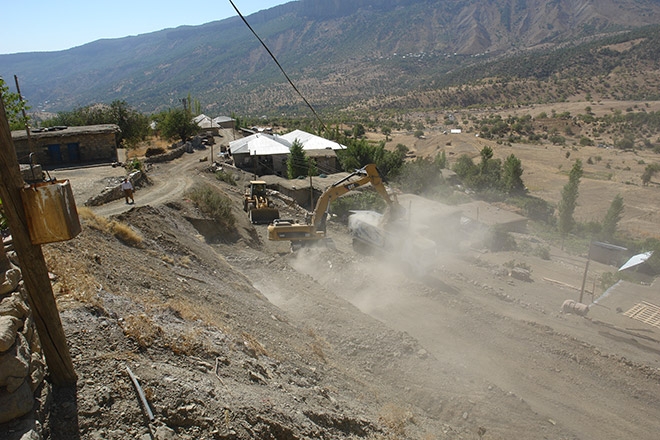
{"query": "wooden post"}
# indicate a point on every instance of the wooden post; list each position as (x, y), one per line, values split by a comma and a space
(27, 126)
(33, 265)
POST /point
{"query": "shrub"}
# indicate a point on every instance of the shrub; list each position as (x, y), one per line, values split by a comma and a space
(154, 151)
(498, 239)
(213, 203)
(542, 252)
(364, 200)
(225, 177)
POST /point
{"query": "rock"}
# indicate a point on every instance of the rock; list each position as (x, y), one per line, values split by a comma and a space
(37, 370)
(14, 305)
(9, 280)
(521, 274)
(16, 404)
(14, 366)
(9, 326)
(164, 432)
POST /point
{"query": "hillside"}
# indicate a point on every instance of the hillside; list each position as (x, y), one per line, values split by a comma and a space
(234, 337)
(344, 52)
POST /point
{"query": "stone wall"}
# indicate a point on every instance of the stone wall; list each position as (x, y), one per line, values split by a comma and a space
(111, 193)
(22, 366)
(166, 157)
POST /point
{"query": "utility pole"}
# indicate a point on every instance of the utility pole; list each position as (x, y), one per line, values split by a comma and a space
(33, 265)
(25, 118)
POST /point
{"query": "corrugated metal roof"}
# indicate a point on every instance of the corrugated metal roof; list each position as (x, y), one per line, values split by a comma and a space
(311, 141)
(259, 144)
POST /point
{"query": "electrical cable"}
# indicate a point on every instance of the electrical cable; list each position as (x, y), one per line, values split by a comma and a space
(278, 65)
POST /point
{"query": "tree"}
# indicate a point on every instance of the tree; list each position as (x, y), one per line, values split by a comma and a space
(358, 131)
(360, 153)
(649, 172)
(612, 218)
(568, 202)
(14, 107)
(133, 125)
(387, 131)
(512, 175)
(177, 123)
(420, 176)
(297, 164)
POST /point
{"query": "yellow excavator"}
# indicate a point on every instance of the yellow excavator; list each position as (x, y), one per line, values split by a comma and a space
(314, 230)
(259, 207)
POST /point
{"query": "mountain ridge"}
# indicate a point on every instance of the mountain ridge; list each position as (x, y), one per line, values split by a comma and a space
(338, 52)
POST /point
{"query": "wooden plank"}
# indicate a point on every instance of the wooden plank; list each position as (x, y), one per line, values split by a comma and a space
(33, 266)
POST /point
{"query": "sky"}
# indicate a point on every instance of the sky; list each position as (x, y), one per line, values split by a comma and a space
(47, 25)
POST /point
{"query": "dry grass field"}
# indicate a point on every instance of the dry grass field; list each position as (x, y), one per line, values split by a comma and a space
(607, 171)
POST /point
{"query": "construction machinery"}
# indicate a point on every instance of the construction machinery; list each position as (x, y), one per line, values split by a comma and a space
(397, 239)
(259, 207)
(314, 229)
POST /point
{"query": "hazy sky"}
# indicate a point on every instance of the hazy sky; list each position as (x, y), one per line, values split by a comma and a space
(47, 25)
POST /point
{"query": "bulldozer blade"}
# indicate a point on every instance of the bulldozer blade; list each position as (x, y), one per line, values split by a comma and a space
(263, 215)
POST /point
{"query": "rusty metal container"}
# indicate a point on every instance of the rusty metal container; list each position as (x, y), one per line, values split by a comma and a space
(51, 211)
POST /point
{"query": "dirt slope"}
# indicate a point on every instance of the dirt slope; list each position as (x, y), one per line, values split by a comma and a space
(241, 339)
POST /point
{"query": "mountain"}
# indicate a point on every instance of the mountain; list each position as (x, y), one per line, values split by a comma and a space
(337, 52)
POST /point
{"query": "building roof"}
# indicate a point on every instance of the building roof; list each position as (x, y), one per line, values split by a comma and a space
(311, 141)
(489, 215)
(62, 131)
(259, 144)
(264, 144)
(221, 119)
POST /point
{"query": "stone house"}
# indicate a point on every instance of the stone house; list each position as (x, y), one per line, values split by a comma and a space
(67, 145)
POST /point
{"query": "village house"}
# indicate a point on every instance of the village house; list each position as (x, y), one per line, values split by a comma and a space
(263, 153)
(213, 126)
(67, 145)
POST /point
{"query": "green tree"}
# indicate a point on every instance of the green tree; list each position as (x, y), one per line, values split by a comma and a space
(177, 123)
(612, 218)
(441, 160)
(387, 131)
(568, 202)
(133, 125)
(297, 164)
(358, 131)
(465, 167)
(420, 176)
(649, 172)
(360, 153)
(13, 107)
(512, 175)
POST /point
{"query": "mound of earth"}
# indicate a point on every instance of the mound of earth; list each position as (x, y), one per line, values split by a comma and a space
(233, 337)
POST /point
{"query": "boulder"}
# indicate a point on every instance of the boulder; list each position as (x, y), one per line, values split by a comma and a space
(9, 280)
(14, 305)
(15, 365)
(16, 404)
(9, 326)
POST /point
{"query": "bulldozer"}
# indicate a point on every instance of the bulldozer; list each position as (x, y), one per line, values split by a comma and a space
(259, 207)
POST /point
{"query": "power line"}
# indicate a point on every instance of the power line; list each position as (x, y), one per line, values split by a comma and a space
(278, 65)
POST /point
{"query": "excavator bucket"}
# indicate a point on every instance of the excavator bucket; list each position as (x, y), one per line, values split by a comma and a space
(263, 215)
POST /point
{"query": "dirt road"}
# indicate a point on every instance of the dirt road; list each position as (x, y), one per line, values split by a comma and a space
(484, 336)
(496, 351)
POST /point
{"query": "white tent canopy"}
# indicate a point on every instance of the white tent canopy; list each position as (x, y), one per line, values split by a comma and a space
(636, 260)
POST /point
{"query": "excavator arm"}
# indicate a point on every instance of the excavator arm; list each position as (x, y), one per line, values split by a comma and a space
(367, 174)
(315, 230)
